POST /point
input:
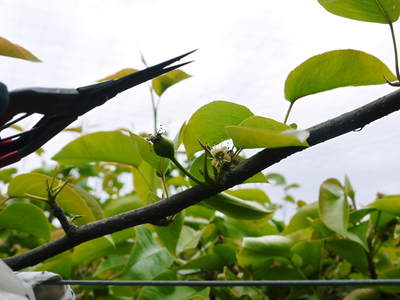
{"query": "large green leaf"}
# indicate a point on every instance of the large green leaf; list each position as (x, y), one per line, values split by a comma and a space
(335, 69)
(250, 194)
(364, 10)
(236, 208)
(25, 217)
(147, 259)
(163, 82)
(208, 123)
(122, 204)
(145, 181)
(72, 199)
(334, 209)
(110, 146)
(10, 49)
(256, 251)
(172, 292)
(169, 235)
(310, 253)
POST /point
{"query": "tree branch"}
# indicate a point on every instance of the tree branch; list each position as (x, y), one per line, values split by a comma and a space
(322, 132)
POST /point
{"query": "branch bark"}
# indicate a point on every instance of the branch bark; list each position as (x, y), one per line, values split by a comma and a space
(322, 132)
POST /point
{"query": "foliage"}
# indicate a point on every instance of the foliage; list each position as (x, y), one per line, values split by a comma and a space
(234, 235)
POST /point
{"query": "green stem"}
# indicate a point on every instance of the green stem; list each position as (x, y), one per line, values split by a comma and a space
(164, 184)
(288, 112)
(180, 167)
(396, 56)
(154, 108)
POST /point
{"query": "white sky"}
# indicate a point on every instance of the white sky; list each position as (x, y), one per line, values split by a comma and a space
(246, 50)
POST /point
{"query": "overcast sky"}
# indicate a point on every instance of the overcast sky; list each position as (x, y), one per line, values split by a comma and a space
(246, 50)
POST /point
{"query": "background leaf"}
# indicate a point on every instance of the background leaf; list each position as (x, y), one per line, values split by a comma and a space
(72, 199)
(208, 123)
(163, 82)
(364, 10)
(10, 49)
(119, 74)
(110, 146)
(25, 217)
(169, 235)
(335, 69)
(256, 251)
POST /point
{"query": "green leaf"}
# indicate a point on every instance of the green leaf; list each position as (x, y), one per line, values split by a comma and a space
(260, 132)
(169, 235)
(208, 123)
(364, 10)
(60, 264)
(350, 251)
(145, 148)
(172, 292)
(119, 74)
(334, 209)
(100, 247)
(7, 174)
(163, 82)
(333, 69)
(256, 251)
(197, 167)
(189, 238)
(26, 217)
(72, 199)
(122, 204)
(389, 204)
(250, 194)
(235, 207)
(237, 229)
(10, 49)
(301, 219)
(110, 146)
(147, 259)
(145, 181)
(209, 262)
(310, 253)
(363, 294)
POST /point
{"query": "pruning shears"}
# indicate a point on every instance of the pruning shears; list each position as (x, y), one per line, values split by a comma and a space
(60, 107)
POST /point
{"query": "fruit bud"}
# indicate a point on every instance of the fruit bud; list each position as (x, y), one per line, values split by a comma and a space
(163, 147)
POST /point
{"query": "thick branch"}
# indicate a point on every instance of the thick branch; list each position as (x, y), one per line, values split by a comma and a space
(149, 214)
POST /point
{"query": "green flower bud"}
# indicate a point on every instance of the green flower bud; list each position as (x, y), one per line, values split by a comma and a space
(163, 147)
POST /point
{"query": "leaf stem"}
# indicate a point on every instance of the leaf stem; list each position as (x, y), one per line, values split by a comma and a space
(288, 112)
(180, 167)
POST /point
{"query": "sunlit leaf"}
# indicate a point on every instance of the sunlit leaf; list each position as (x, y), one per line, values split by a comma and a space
(7, 174)
(334, 209)
(110, 146)
(208, 123)
(163, 82)
(333, 69)
(119, 74)
(364, 10)
(10, 49)
(256, 251)
(310, 253)
(72, 199)
(363, 294)
(122, 204)
(235, 207)
(25, 217)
